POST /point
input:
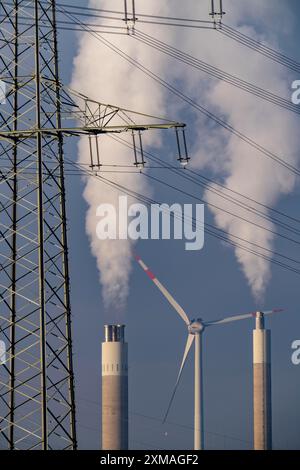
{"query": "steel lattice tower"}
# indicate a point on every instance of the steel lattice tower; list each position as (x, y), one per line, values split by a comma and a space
(37, 404)
(37, 390)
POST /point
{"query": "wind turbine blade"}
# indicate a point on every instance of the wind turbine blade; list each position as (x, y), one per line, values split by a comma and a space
(240, 317)
(188, 346)
(230, 319)
(164, 291)
(275, 310)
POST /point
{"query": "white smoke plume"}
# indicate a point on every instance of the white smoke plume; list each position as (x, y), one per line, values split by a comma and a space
(104, 76)
(239, 166)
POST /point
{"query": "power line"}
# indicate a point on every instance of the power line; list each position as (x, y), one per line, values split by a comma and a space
(147, 445)
(244, 206)
(271, 155)
(234, 215)
(214, 71)
(140, 15)
(209, 181)
(259, 47)
(171, 423)
(221, 237)
(222, 28)
(82, 11)
(164, 21)
(276, 211)
(225, 29)
(170, 87)
(212, 230)
(179, 172)
(69, 26)
(250, 242)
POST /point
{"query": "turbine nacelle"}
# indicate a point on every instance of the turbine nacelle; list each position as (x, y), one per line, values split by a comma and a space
(196, 326)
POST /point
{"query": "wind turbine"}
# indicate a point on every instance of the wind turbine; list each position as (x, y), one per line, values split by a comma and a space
(195, 327)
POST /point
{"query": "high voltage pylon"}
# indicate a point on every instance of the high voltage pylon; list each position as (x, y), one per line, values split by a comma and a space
(37, 403)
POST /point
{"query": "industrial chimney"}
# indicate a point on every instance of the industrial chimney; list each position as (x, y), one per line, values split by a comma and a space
(114, 389)
(262, 401)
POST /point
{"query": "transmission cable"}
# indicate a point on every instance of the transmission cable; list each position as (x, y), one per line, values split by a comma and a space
(214, 71)
(259, 47)
(221, 234)
(195, 105)
(182, 174)
(222, 28)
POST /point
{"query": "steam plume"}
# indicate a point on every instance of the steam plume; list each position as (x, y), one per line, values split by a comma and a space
(104, 76)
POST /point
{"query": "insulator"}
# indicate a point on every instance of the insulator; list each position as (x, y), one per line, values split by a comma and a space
(221, 8)
(138, 162)
(215, 13)
(97, 152)
(133, 12)
(95, 163)
(130, 21)
(91, 152)
(186, 156)
(183, 156)
(126, 11)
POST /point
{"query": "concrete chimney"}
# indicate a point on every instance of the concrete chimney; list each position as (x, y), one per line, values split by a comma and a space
(114, 389)
(262, 401)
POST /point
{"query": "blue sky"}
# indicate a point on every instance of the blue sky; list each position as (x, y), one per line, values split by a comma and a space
(208, 284)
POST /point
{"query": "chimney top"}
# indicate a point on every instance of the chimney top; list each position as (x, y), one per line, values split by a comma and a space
(114, 333)
(260, 321)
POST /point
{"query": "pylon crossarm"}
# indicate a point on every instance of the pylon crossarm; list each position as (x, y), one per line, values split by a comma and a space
(94, 114)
